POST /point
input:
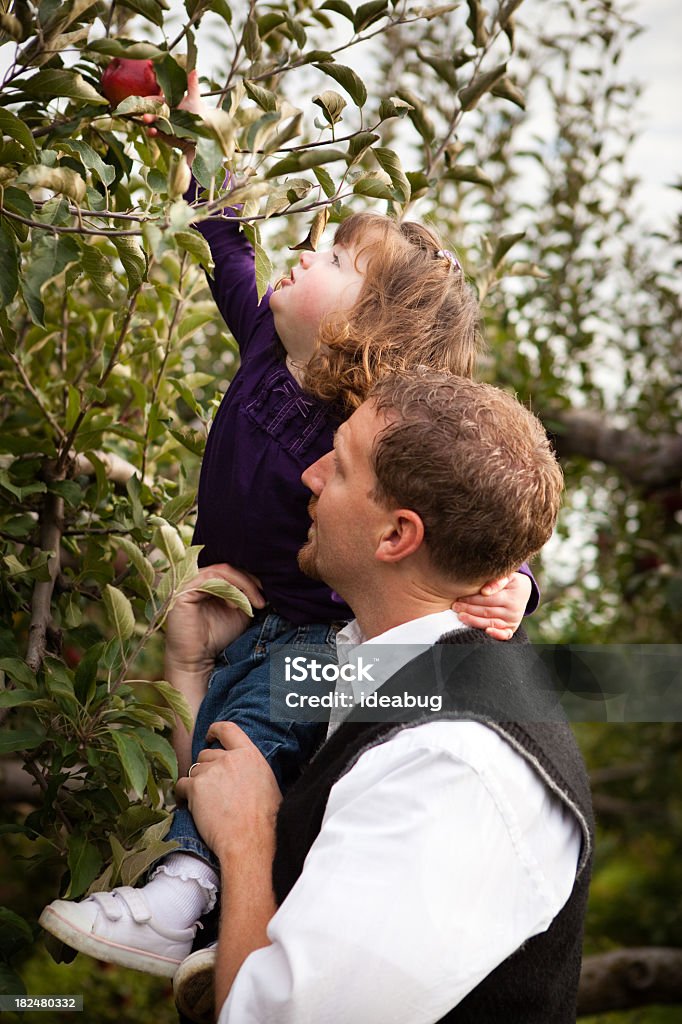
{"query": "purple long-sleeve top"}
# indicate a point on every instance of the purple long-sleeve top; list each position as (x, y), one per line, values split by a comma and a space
(267, 431)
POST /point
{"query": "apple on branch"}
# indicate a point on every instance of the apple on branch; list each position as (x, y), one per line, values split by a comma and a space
(123, 78)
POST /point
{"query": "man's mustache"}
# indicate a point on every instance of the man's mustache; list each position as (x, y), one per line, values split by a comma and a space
(312, 505)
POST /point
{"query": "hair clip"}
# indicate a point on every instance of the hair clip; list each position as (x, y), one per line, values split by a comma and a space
(445, 254)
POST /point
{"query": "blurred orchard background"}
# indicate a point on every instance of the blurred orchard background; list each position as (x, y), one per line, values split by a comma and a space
(519, 129)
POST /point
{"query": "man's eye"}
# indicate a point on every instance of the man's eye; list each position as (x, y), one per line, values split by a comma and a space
(335, 260)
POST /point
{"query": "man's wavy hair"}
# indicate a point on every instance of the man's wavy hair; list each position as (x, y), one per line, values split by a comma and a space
(474, 464)
(415, 308)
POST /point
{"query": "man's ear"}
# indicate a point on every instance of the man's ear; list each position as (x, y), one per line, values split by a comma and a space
(402, 537)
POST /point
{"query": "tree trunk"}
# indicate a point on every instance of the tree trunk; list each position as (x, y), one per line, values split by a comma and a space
(648, 460)
(629, 978)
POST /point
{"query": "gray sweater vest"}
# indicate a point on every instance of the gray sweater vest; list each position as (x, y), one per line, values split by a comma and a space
(503, 686)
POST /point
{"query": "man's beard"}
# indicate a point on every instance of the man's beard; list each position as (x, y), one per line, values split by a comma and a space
(307, 556)
(307, 561)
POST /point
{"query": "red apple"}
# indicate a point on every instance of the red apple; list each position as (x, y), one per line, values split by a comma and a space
(123, 78)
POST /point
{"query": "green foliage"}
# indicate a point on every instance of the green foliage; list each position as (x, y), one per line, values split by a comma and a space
(112, 361)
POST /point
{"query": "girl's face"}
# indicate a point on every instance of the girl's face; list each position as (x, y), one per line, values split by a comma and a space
(322, 283)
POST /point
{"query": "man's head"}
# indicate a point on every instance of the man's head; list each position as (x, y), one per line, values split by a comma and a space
(438, 478)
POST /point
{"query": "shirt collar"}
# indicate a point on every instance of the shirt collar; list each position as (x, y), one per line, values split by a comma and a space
(398, 645)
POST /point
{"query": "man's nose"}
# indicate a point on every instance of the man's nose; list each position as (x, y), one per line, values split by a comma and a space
(315, 476)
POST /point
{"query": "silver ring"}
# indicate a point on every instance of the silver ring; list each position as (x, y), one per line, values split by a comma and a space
(195, 765)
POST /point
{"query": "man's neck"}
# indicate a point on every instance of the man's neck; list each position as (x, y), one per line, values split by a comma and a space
(375, 616)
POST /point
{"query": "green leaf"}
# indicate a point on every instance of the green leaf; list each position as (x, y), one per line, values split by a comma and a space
(347, 79)
(471, 94)
(312, 239)
(167, 539)
(390, 162)
(393, 107)
(339, 7)
(142, 105)
(325, 181)
(443, 66)
(133, 761)
(197, 246)
(139, 560)
(58, 179)
(152, 10)
(20, 739)
(504, 244)
(193, 440)
(91, 159)
(418, 115)
(160, 749)
(476, 22)
(508, 90)
(172, 78)
(331, 105)
(9, 264)
(119, 612)
(377, 188)
(13, 698)
(368, 13)
(304, 160)
(229, 593)
(469, 172)
(97, 267)
(135, 864)
(359, 144)
(128, 48)
(15, 934)
(84, 862)
(19, 671)
(251, 38)
(13, 126)
(177, 508)
(176, 701)
(134, 261)
(265, 99)
(53, 82)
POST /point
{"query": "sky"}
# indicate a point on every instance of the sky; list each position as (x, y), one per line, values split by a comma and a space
(654, 59)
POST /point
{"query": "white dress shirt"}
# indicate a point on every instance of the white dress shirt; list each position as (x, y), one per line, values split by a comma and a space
(440, 853)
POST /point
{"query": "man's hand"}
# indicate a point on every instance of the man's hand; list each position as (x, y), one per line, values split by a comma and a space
(200, 625)
(499, 606)
(234, 797)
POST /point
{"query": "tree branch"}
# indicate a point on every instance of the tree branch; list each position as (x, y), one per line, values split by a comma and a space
(648, 460)
(51, 525)
(628, 978)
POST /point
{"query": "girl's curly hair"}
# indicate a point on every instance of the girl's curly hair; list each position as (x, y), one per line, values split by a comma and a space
(415, 309)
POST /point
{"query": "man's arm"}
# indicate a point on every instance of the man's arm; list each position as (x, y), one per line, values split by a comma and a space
(198, 628)
(234, 798)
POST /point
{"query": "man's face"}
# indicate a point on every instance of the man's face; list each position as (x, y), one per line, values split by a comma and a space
(322, 283)
(347, 521)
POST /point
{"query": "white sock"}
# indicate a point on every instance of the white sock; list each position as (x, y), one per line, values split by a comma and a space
(181, 890)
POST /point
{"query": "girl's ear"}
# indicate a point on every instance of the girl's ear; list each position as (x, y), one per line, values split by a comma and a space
(402, 538)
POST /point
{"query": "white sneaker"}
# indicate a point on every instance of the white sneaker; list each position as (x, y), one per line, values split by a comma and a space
(118, 927)
(194, 985)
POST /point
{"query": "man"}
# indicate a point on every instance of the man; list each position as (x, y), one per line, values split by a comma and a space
(435, 870)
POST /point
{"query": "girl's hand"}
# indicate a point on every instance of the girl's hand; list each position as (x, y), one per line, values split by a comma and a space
(499, 606)
(200, 625)
(192, 102)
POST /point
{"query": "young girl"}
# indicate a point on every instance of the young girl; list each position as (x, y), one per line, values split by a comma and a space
(386, 296)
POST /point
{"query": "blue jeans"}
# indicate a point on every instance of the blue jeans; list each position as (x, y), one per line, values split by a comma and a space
(239, 691)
